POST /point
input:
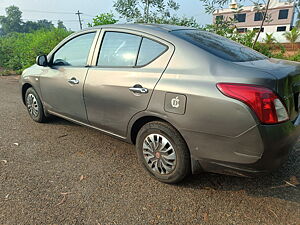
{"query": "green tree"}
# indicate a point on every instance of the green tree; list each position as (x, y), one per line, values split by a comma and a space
(19, 50)
(12, 22)
(60, 25)
(45, 24)
(260, 6)
(269, 39)
(292, 36)
(103, 19)
(145, 11)
(180, 21)
(31, 26)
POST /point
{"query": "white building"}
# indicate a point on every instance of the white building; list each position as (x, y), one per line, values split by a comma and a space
(281, 13)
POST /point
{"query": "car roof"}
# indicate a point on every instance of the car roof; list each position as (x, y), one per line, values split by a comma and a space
(143, 27)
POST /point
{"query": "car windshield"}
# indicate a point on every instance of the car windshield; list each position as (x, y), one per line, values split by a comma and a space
(219, 46)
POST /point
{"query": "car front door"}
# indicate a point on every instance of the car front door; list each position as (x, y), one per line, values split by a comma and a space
(123, 76)
(63, 81)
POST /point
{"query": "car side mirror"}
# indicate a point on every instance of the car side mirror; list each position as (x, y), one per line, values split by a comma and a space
(42, 60)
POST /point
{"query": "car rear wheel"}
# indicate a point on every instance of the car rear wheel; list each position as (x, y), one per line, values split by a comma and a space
(163, 152)
(34, 106)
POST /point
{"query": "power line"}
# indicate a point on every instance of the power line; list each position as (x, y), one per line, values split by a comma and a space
(87, 15)
(52, 12)
(51, 20)
(40, 11)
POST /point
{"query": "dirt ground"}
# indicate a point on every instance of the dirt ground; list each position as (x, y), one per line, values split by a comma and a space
(62, 173)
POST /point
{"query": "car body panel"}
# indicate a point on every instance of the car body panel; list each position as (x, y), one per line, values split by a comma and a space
(220, 132)
(109, 102)
(62, 97)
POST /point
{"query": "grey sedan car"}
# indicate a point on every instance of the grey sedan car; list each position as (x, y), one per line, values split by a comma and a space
(188, 99)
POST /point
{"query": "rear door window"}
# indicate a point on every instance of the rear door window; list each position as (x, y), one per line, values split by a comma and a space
(119, 50)
(219, 46)
(149, 51)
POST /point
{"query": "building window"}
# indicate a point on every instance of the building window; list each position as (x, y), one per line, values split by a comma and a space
(283, 14)
(258, 16)
(283, 28)
(257, 29)
(220, 17)
(240, 17)
(241, 30)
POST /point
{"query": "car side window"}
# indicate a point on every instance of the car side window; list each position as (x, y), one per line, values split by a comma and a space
(119, 50)
(149, 51)
(75, 52)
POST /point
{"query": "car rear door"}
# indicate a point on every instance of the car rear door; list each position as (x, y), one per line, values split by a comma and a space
(62, 82)
(125, 70)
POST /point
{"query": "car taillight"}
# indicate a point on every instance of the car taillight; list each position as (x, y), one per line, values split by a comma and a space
(264, 102)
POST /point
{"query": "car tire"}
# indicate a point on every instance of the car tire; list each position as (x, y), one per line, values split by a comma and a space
(34, 106)
(163, 152)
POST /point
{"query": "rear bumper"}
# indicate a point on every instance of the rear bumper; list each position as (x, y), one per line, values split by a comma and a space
(275, 140)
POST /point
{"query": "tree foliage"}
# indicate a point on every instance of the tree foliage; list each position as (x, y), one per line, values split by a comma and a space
(269, 39)
(103, 19)
(19, 50)
(13, 22)
(31, 26)
(292, 36)
(60, 25)
(145, 11)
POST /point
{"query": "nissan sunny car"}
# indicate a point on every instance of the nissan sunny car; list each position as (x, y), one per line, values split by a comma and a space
(188, 99)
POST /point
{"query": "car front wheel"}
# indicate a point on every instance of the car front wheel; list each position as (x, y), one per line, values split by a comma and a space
(163, 152)
(34, 106)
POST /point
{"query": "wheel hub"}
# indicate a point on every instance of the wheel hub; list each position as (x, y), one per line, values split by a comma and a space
(32, 105)
(159, 154)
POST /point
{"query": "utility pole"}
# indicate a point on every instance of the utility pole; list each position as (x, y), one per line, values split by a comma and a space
(262, 23)
(147, 10)
(79, 18)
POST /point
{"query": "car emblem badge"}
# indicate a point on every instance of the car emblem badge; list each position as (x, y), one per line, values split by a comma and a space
(157, 155)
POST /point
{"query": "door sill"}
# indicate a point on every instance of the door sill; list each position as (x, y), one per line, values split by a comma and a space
(85, 124)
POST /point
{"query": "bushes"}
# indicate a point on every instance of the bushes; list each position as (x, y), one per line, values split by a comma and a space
(19, 50)
(295, 57)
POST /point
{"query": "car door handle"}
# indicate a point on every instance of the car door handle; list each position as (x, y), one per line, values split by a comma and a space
(73, 80)
(139, 90)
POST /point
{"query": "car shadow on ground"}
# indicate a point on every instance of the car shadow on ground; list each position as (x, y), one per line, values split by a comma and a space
(281, 184)
(54, 120)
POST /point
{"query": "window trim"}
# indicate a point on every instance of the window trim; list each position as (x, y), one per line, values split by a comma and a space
(242, 30)
(67, 40)
(259, 13)
(127, 32)
(281, 27)
(287, 16)
(257, 29)
(237, 14)
(219, 17)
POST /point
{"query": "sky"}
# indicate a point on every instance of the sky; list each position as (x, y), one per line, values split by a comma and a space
(64, 10)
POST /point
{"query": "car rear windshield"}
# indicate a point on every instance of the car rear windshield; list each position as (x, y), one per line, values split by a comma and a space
(219, 46)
